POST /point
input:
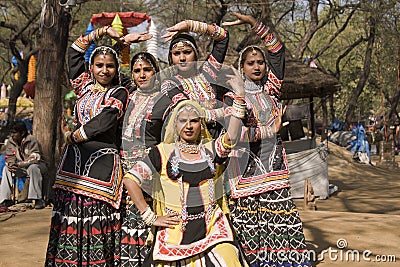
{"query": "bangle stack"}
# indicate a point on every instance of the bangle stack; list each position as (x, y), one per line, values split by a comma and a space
(260, 29)
(225, 145)
(238, 109)
(149, 217)
(92, 36)
(218, 33)
(95, 35)
(264, 132)
(271, 41)
(197, 26)
(239, 98)
(106, 29)
(213, 115)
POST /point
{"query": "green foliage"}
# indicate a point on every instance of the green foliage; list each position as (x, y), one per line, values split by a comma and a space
(290, 19)
(14, 16)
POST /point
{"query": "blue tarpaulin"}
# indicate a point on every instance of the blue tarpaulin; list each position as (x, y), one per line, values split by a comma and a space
(360, 144)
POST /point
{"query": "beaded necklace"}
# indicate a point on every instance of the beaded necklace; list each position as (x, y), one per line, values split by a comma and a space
(198, 87)
(176, 159)
(143, 105)
(188, 148)
(260, 101)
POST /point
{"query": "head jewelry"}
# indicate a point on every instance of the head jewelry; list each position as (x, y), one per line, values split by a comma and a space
(107, 50)
(181, 40)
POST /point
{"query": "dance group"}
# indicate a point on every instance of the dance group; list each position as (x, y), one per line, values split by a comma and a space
(176, 171)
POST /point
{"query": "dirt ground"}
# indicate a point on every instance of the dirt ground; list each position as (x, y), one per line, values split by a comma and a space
(362, 218)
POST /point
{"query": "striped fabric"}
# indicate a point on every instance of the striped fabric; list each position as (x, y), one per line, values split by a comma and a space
(84, 232)
(270, 229)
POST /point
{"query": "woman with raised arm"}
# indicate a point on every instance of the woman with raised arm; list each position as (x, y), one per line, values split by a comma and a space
(85, 225)
(262, 210)
(192, 80)
(180, 173)
(143, 123)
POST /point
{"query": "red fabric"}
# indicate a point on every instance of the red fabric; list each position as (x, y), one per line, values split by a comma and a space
(29, 89)
(129, 19)
(3, 209)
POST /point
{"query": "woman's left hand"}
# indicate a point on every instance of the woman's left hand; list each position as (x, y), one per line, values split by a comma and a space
(175, 30)
(278, 119)
(64, 125)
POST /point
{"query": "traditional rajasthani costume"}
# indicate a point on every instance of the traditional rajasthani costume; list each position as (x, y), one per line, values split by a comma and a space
(201, 87)
(143, 123)
(187, 187)
(262, 210)
(85, 225)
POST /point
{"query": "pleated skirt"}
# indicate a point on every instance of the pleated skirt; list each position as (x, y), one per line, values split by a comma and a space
(134, 233)
(84, 232)
(269, 229)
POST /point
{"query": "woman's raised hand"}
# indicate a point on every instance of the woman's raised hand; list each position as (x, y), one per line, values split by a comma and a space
(278, 119)
(241, 19)
(135, 38)
(236, 82)
(113, 33)
(175, 30)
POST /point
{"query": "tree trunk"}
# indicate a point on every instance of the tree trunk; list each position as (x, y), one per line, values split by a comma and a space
(48, 103)
(331, 108)
(352, 106)
(324, 112)
(393, 115)
(17, 88)
(15, 92)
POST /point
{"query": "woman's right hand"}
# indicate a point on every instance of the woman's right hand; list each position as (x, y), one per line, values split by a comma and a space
(235, 80)
(175, 30)
(113, 33)
(168, 221)
(242, 19)
(64, 125)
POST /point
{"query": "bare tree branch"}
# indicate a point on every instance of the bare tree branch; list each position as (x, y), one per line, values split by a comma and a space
(336, 34)
(345, 53)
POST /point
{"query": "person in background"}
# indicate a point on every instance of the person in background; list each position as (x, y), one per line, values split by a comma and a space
(23, 158)
(263, 213)
(86, 220)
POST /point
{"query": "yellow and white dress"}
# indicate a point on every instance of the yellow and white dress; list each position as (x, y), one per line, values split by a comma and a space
(204, 236)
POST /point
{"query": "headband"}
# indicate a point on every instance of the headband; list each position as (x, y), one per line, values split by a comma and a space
(183, 39)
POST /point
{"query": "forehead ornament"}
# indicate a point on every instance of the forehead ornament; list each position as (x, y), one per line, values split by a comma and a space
(180, 45)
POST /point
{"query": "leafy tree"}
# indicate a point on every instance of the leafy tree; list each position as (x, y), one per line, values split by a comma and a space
(19, 31)
(356, 41)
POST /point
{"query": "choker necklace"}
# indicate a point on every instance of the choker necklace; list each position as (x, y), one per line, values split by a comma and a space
(149, 92)
(188, 148)
(98, 88)
(251, 87)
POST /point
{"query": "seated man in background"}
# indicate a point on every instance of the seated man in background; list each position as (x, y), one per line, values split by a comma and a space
(23, 159)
